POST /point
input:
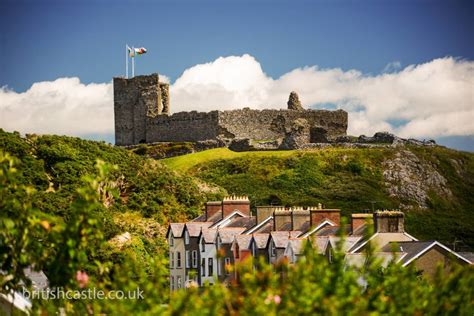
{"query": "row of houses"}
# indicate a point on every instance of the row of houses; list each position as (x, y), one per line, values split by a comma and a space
(202, 250)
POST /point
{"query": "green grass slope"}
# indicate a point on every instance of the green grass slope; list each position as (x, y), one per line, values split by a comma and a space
(150, 193)
(350, 179)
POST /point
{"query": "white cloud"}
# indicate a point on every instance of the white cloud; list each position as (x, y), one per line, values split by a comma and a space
(427, 100)
(64, 106)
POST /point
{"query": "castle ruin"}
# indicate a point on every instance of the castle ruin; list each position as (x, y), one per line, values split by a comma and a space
(142, 115)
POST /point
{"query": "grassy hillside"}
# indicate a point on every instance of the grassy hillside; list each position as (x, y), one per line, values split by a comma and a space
(350, 179)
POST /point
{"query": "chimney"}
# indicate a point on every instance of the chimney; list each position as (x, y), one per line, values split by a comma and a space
(389, 222)
(212, 208)
(299, 216)
(360, 219)
(264, 212)
(281, 216)
(319, 215)
(235, 203)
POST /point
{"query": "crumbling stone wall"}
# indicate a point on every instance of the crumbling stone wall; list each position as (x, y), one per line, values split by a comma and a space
(142, 107)
(273, 124)
(183, 127)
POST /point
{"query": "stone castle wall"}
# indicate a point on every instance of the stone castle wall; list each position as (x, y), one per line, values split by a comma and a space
(142, 106)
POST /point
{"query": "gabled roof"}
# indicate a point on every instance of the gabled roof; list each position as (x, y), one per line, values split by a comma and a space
(285, 227)
(468, 255)
(305, 227)
(209, 235)
(415, 249)
(348, 242)
(227, 234)
(330, 230)
(280, 238)
(243, 241)
(360, 231)
(382, 239)
(320, 243)
(261, 240)
(265, 226)
(216, 217)
(245, 222)
(321, 226)
(200, 218)
(296, 245)
(177, 230)
(226, 220)
(194, 228)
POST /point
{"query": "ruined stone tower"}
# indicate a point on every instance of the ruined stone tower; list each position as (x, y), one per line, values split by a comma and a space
(136, 99)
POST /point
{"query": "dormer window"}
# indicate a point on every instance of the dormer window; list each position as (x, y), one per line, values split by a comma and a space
(171, 241)
(203, 245)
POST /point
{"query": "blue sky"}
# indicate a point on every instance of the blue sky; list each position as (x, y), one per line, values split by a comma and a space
(46, 40)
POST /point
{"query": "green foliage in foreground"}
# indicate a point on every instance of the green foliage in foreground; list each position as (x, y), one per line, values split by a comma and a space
(311, 287)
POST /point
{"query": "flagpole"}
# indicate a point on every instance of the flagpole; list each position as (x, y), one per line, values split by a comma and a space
(126, 60)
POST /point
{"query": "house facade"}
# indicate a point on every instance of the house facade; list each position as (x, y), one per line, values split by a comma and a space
(227, 234)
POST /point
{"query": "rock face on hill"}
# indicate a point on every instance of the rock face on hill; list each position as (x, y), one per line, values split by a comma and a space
(410, 179)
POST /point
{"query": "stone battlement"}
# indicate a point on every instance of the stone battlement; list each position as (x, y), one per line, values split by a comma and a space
(142, 115)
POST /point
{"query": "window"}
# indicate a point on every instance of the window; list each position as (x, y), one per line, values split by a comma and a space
(178, 259)
(210, 267)
(254, 250)
(219, 268)
(179, 282)
(188, 259)
(171, 259)
(227, 265)
(172, 283)
(272, 249)
(195, 258)
(171, 241)
(203, 245)
(186, 237)
(203, 267)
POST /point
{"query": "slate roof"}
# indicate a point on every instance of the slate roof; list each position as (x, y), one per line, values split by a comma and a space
(227, 234)
(297, 245)
(200, 218)
(265, 228)
(261, 240)
(410, 248)
(245, 222)
(215, 217)
(243, 241)
(177, 229)
(209, 235)
(468, 255)
(194, 228)
(305, 227)
(285, 227)
(328, 230)
(320, 243)
(280, 238)
(360, 231)
(349, 242)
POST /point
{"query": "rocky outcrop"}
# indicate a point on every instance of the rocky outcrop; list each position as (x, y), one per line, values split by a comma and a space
(294, 102)
(410, 179)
